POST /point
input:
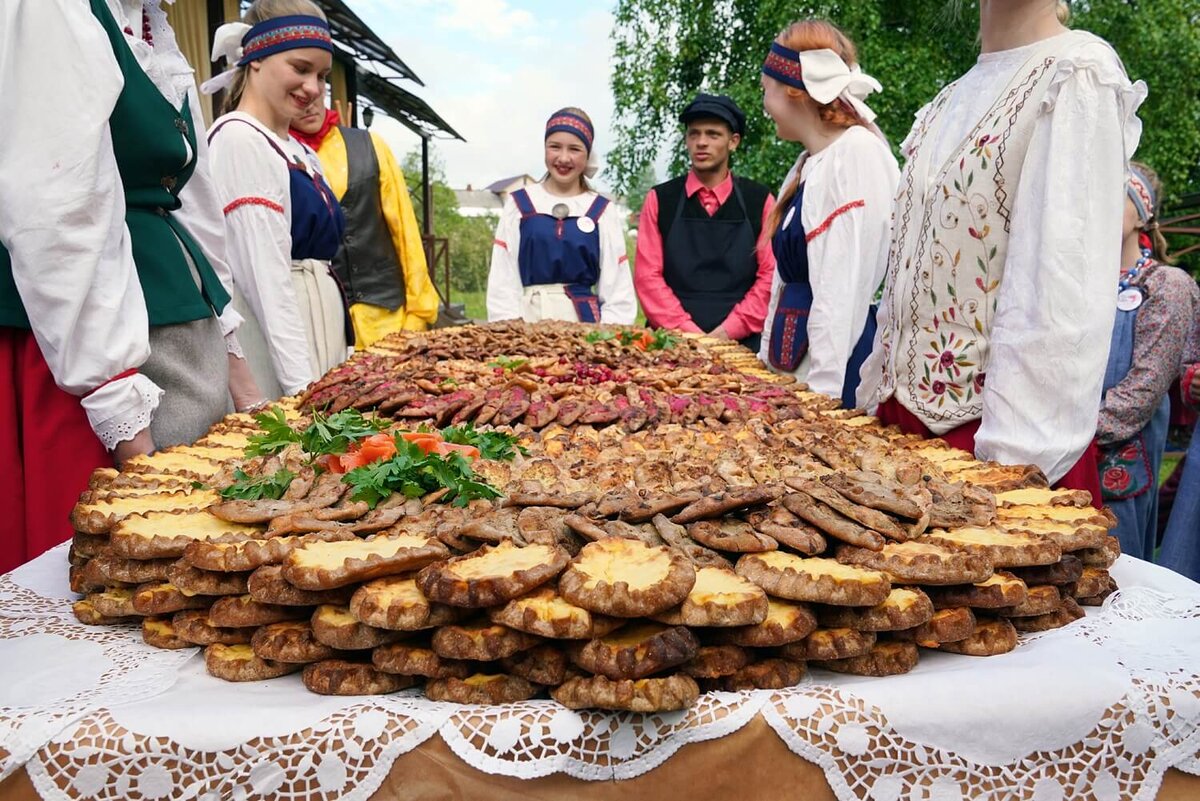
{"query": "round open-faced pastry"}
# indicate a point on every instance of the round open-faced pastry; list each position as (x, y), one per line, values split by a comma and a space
(884, 659)
(480, 641)
(268, 586)
(635, 695)
(946, 625)
(239, 663)
(326, 565)
(904, 608)
(627, 578)
(715, 661)
(1041, 599)
(483, 689)
(730, 534)
(290, 641)
(240, 611)
(544, 664)
(830, 644)
(637, 650)
(397, 603)
(720, 597)
(786, 621)
(1069, 612)
(492, 575)
(159, 633)
(342, 677)
(336, 627)
(417, 659)
(920, 562)
(1001, 589)
(826, 581)
(195, 627)
(990, 638)
(767, 674)
(546, 613)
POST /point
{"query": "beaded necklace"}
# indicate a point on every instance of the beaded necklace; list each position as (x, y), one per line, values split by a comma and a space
(1133, 272)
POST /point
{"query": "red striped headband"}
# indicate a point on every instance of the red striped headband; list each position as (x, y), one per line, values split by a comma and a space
(572, 123)
(783, 64)
(284, 33)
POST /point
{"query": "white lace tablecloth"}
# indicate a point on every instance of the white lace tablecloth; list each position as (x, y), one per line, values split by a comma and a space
(1098, 710)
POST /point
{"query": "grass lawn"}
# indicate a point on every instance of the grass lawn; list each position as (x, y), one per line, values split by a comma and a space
(476, 304)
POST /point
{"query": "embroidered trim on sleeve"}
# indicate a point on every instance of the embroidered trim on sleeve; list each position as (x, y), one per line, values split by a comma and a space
(253, 201)
(622, 259)
(501, 243)
(823, 227)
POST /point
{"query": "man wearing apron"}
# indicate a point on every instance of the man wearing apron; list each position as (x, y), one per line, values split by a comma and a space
(698, 266)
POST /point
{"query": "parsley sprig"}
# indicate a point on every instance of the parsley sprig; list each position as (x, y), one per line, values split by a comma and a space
(415, 473)
(599, 336)
(257, 488)
(506, 364)
(491, 444)
(325, 434)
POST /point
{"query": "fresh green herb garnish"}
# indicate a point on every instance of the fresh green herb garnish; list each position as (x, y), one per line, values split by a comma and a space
(326, 434)
(507, 364)
(448, 381)
(600, 336)
(491, 444)
(199, 485)
(414, 473)
(276, 436)
(250, 488)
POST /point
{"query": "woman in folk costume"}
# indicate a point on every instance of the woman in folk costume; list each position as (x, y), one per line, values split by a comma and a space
(559, 252)
(1156, 304)
(999, 289)
(381, 264)
(831, 227)
(282, 221)
(1181, 541)
(116, 332)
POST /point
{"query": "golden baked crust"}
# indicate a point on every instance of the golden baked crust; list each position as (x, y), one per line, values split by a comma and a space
(240, 611)
(946, 625)
(544, 664)
(1043, 496)
(131, 571)
(336, 627)
(872, 519)
(397, 603)
(291, 641)
(768, 674)
(408, 659)
(829, 644)
(89, 546)
(990, 638)
(799, 536)
(236, 557)
(1093, 582)
(720, 597)
(100, 513)
(480, 641)
(268, 586)
(546, 613)
(634, 695)
(1069, 535)
(239, 663)
(884, 659)
(730, 534)
(920, 562)
(89, 578)
(715, 661)
(492, 575)
(1002, 548)
(1066, 571)
(786, 621)
(482, 689)
(341, 677)
(195, 627)
(904, 608)
(627, 578)
(831, 522)
(1001, 589)
(637, 650)
(722, 503)
(165, 534)
(1103, 556)
(327, 565)
(164, 598)
(1069, 612)
(160, 633)
(194, 581)
(827, 581)
(85, 612)
(1040, 599)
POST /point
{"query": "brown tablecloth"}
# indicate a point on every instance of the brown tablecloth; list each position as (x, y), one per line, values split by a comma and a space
(752, 763)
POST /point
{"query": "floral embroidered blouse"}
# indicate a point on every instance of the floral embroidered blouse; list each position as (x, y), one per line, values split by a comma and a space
(1164, 323)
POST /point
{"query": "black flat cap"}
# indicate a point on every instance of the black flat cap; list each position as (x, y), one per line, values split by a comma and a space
(720, 107)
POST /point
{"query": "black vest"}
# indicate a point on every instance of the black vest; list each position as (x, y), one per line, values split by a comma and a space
(367, 263)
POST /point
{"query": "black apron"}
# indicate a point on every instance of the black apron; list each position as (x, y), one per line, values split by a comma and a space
(711, 264)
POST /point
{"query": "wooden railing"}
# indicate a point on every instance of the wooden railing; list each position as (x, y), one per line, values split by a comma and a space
(437, 257)
(1182, 225)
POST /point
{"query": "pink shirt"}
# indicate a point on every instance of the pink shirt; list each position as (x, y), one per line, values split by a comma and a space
(661, 306)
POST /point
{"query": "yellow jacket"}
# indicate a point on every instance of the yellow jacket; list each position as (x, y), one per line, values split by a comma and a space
(421, 299)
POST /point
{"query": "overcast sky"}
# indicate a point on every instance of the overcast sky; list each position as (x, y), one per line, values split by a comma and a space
(495, 70)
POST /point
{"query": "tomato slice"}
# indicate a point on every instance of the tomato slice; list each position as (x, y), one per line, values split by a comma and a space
(468, 451)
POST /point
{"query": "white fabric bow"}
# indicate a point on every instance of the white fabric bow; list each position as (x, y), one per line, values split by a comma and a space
(593, 165)
(826, 78)
(227, 43)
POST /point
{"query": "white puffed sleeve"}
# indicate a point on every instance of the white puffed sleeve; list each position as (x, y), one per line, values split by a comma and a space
(1057, 302)
(618, 301)
(252, 184)
(62, 211)
(847, 214)
(504, 287)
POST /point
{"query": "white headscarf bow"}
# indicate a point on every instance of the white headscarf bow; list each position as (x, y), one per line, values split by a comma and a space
(227, 43)
(827, 78)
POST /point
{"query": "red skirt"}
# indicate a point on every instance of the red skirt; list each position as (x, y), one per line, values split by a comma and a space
(47, 452)
(1085, 474)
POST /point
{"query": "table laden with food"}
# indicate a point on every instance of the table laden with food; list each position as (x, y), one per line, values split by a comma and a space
(557, 560)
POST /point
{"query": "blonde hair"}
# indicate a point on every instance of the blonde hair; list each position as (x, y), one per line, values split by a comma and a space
(1063, 12)
(261, 11)
(1158, 243)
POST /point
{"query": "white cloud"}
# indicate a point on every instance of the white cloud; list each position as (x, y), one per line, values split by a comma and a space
(489, 20)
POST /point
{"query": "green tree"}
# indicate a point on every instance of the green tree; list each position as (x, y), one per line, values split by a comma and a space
(666, 50)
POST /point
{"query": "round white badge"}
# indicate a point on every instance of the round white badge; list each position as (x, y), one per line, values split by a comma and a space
(1129, 299)
(586, 224)
(788, 219)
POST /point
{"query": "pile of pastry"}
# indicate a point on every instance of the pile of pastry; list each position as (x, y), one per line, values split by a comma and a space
(618, 571)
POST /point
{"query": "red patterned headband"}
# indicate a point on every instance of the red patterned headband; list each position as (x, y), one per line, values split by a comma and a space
(569, 122)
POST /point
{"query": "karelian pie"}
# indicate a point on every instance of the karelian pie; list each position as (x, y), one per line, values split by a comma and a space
(413, 659)
(239, 663)
(546, 613)
(1102, 556)
(1070, 535)
(634, 695)
(720, 597)
(480, 641)
(786, 621)
(827, 581)
(1000, 547)
(884, 659)
(872, 519)
(195, 627)
(100, 514)
(920, 563)
(1042, 496)
(1094, 581)
(166, 534)
(831, 522)
(829, 644)
(544, 664)
(290, 641)
(946, 625)
(492, 575)
(715, 661)
(990, 638)
(1040, 599)
(767, 674)
(164, 598)
(336, 627)
(240, 611)
(1069, 612)
(904, 608)
(132, 571)
(251, 554)
(327, 565)
(268, 586)
(397, 603)
(1001, 589)
(730, 534)
(483, 689)
(1067, 570)
(637, 650)
(194, 581)
(720, 504)
(627, 578)
(342, 677)
(85, 612)
(160, 633)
